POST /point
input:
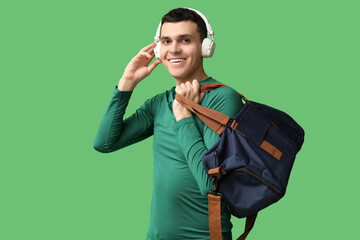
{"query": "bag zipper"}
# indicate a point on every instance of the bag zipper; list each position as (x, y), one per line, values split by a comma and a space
(263, 181)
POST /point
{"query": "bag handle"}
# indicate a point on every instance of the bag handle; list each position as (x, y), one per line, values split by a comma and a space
(215, 120)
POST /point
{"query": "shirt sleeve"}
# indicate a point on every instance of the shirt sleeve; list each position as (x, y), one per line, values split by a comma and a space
(195, 142)
(115, 133)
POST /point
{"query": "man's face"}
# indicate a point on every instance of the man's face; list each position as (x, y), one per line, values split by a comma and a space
(181, 49)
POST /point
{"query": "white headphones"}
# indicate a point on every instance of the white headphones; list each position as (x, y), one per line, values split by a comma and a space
(207, 47)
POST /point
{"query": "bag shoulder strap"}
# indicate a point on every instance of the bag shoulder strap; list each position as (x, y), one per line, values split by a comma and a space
(249, 224)
(213, 119)
(214, 209)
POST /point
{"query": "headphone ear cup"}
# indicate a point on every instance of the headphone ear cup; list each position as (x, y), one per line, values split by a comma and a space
(207, 48)
(157, 50)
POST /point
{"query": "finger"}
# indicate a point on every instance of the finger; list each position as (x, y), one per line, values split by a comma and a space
(185, 90)
(195, 84)
(188, 84)
(148, 47)
(146, 55)
(153, 65)
(151, 51)
(190, 91)
(179, 90)
(202, 95)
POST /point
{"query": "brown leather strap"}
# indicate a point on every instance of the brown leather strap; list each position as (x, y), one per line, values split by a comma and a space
(216, 171)
(215, 219)
(215, 216)
(250, 220)
(210, 86)
(213, 119)
(271, 149)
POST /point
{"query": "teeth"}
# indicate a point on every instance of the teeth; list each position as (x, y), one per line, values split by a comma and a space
(177, 60)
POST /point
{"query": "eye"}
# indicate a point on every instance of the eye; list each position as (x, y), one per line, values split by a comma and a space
(186, 40)
(166, 41)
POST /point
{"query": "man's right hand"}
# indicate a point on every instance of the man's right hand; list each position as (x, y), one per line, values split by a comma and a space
(138, 68)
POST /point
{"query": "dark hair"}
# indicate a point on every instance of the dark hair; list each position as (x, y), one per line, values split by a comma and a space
(184, 14)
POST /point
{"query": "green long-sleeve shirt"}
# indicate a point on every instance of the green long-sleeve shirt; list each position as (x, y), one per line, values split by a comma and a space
(179, 208)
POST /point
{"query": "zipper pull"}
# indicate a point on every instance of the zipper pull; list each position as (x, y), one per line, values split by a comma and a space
(216, 156)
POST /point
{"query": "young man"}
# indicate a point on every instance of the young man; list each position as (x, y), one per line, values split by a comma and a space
(179, 208)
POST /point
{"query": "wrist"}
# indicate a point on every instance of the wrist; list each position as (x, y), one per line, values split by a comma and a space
(126, 85)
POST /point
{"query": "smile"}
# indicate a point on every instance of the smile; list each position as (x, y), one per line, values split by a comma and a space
(177, 60)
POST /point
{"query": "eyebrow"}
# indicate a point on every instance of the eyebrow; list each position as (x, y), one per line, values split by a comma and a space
(178, 36)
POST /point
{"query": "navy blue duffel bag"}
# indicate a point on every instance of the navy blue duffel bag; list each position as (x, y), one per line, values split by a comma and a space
(250, 165)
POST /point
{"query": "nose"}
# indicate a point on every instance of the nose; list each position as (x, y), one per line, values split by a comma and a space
(175, 48)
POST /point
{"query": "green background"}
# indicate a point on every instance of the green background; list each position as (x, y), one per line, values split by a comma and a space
(60, 61)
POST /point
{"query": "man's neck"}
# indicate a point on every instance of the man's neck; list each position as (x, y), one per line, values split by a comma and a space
(198, 77)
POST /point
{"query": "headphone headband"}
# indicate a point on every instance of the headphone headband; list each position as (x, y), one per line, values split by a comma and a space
(210, 32)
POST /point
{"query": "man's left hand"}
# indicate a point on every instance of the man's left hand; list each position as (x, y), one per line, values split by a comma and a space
(190, 90)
